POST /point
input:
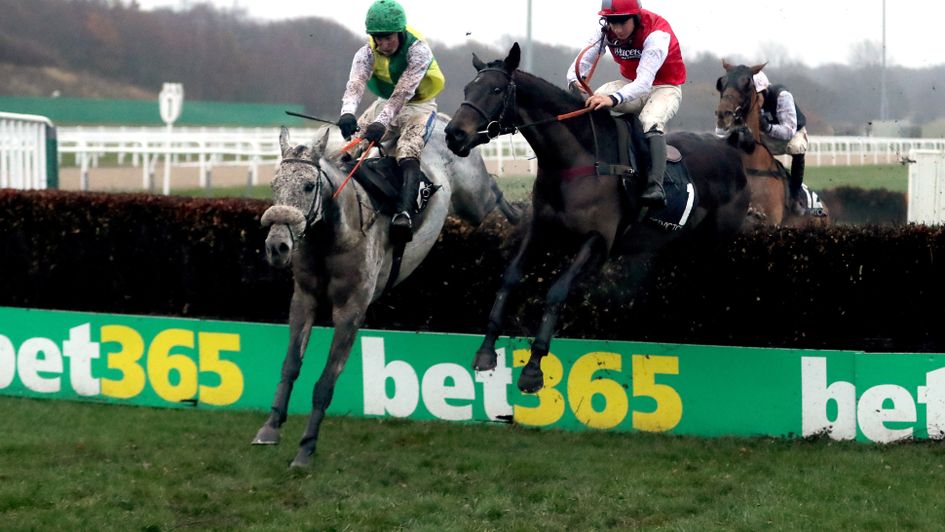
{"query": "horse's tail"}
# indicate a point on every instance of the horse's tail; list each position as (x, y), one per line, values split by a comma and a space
(512, 213)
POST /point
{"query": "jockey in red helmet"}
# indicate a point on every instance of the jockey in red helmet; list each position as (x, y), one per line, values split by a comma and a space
(644, 46)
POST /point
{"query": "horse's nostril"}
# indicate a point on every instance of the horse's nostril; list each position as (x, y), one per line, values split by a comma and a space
(283, 248)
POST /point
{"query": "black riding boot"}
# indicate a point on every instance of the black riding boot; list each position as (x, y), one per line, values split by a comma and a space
(654, 196)
(402, 222)
(797, 178)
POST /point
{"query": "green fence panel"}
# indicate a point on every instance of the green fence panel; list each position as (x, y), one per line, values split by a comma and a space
(589, 384)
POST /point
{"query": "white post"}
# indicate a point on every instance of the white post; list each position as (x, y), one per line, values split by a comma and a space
(171, 102)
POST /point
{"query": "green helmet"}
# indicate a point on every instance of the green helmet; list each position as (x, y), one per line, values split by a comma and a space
(385, 16)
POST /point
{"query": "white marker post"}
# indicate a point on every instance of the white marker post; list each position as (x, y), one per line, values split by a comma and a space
(171, 101)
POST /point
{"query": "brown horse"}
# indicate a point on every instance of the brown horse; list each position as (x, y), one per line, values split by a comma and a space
(578, 198)
(739, 118)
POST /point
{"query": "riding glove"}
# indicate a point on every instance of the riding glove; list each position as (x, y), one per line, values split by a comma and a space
(348, 125)
(575, 89)
(764, 124)
(374, 132)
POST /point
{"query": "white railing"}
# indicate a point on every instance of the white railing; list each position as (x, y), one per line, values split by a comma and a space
(926, 196)
(512, 152)
(852, 151)
(205, 148)
(23, 140)
(145, 147)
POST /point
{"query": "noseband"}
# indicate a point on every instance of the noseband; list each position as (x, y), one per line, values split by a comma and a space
(312, 216)
(495, 128)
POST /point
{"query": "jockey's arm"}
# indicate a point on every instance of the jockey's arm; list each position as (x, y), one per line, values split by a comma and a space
(362, 67)
(655, 51)
(419, 58)
(787, 118)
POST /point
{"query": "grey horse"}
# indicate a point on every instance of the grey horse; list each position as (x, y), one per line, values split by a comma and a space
(341, 254)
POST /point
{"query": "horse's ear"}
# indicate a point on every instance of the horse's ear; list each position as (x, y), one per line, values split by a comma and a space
(719, 83)
(515, 56)
(319, 146)
(284, 140)
(757, 68)
(727, 66)
(478, 62)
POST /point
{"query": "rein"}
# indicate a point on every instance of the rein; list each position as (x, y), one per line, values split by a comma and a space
(583, 81)
(495, 128)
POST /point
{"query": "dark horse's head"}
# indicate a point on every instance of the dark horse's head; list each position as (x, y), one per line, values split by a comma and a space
(737, 95)
(489, 100)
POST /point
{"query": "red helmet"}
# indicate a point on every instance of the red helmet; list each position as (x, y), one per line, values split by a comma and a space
(609, 8)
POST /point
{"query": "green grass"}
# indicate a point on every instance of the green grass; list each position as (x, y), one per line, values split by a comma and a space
(893, 177)
(68, 466)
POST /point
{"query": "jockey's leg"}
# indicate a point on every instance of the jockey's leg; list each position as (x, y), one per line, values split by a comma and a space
(661, 106)
(653, 195)
(415, 122)
(797, 147)
(402, 222)
(797, 178)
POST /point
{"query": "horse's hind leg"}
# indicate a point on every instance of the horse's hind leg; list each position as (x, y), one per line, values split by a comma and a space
(301, 317)
(592, 252)
(486, 357)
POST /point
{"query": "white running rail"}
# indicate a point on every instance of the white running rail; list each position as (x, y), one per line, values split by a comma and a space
(144, 147)
(23, 162)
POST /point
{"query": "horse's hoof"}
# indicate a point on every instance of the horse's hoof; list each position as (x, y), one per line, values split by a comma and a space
(485, 359)
(302, 460)
(267, 436)
(532, 379)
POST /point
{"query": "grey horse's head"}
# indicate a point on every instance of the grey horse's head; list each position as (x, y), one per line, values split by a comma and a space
(300, 190)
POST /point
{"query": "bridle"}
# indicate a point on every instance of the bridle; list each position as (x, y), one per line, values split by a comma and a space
(739, 113)
(314, 214)
(495, 128)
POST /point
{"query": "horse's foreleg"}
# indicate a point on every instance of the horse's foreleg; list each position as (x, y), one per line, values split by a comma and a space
(348, 320)
(486, 357)
(301, 317)
(592, 252)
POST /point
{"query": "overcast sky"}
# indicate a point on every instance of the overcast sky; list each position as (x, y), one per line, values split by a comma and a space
(813, 32)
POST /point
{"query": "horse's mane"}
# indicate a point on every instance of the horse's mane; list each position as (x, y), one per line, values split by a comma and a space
(545, 85)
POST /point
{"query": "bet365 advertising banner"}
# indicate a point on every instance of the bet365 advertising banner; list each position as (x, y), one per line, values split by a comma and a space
(621, 386)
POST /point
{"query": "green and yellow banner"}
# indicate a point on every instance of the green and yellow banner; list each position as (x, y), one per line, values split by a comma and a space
(589, 384)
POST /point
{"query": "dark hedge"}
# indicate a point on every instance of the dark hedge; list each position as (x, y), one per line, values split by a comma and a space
(845, 287)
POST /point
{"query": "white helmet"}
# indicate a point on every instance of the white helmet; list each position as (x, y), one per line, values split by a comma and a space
(761, 81)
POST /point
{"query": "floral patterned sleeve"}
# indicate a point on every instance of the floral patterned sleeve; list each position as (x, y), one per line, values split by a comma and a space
(419, 57)
(362, 67)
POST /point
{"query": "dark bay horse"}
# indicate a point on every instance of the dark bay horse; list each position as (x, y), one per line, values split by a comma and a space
(739, 117)
(573, 200)
(341, 254)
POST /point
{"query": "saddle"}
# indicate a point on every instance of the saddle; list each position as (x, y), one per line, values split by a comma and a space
(382, 178)
(681, 195)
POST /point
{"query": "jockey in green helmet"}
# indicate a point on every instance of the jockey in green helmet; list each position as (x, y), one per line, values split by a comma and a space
(398, 66)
